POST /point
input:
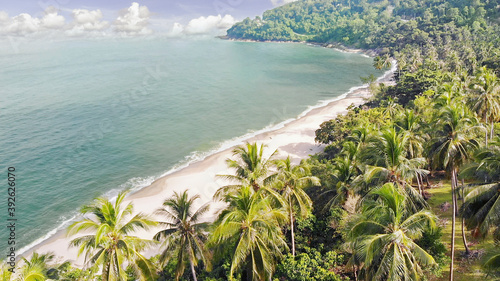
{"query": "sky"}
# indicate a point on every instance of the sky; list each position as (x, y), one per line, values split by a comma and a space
(97, 18)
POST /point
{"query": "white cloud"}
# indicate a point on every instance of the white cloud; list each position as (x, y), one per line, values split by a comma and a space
(133, 21)
(22, 24)
(226, 22)
(52, 19)
(177, 30)
(25, 24)
(281, 2)
(4, 17)
(87, 22)
(211, 25)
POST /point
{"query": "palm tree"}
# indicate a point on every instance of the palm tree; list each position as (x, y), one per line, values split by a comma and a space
(250, 226)
(486, 101)
(381, 62)
(391, 108)
(185, 235)
(416, 59)
(390, 163)
(481, 208)
(353, 148)
(346, 170)
(290, 182)
(251, 168)
(492, 265)
(451, 148)
(463, 81)
(344, 173)
(410, 122)
(449, 94)
(34, 269)
(402, 59)
(5, 273)
(106, 238)
(382, 237)
(390, 157)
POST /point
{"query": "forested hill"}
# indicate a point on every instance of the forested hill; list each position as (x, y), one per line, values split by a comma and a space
(371, 24)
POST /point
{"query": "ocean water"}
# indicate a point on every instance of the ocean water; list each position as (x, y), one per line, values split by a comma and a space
(87, 118)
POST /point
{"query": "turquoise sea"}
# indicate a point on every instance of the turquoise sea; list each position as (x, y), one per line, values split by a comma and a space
(85, 118)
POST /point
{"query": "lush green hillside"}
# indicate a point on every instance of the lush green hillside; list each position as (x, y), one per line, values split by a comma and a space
(369, 24)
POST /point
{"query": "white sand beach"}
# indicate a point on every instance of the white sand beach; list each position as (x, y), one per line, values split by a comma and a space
(295, 139)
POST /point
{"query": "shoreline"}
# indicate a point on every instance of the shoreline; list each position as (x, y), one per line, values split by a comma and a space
(294, 137)
(332, 45)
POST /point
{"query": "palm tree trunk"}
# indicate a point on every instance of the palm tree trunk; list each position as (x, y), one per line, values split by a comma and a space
(486, 137)
(463, 222)
(419, 185)
(453, 184)
(291, 229)
(486, 132)
(192, 270)
(427, 181)
(492, 130)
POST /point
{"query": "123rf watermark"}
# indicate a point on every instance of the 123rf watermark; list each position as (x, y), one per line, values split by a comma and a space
(11, 218)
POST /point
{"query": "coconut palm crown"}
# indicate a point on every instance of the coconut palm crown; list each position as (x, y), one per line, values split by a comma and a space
(104, 235)
(382, 237)
(184, 235)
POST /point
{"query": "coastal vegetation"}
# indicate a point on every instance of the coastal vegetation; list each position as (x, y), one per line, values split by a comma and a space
(107, 241)
(184, 236)
(402, 178)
